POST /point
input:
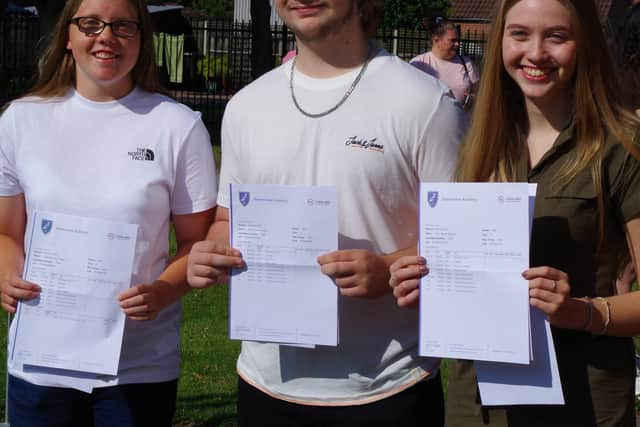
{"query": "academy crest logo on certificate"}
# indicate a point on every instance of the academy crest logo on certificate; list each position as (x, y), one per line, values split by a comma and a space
(432, 198)
(46, 225)
(244, 197)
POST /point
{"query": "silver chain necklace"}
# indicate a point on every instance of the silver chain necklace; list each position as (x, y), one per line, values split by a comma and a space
(344, 98)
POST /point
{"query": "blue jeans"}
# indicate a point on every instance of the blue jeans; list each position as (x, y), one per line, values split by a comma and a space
(127, 405)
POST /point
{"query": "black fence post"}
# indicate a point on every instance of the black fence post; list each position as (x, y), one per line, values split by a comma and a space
(261, 39)
(285, 41)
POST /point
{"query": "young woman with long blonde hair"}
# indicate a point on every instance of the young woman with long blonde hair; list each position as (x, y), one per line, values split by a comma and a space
(549, 111)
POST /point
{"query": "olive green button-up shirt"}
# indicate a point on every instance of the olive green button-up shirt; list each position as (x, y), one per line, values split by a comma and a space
(566, 232)
(597, 373)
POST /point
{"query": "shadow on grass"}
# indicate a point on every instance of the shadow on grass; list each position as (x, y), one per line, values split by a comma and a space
(219, 409)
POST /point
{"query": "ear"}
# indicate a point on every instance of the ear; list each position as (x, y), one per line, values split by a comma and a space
(68, 44)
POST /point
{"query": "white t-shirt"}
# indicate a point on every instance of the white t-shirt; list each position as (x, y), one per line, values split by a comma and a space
(135, 160)
(398, 127)
(458, 73)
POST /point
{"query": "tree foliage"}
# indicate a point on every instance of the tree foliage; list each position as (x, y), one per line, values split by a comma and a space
(214, 8)
(398, 13)
(412, 13)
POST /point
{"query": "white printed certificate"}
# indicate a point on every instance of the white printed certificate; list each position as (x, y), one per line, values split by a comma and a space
(81, 264)
(282, 296)
(537, 383)
(474, 303)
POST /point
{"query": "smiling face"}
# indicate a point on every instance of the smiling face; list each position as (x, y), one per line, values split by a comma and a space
(315, 20)
(539, 50)
(447, 45)
(103, 62)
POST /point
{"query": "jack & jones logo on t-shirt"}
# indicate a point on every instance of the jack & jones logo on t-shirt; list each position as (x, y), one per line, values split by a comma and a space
(366, 144)
(142, 154)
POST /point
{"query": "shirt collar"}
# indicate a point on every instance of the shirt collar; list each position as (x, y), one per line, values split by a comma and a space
(565, 137)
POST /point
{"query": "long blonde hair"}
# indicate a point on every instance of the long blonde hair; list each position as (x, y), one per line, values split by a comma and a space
(499, 123)
(56, 66)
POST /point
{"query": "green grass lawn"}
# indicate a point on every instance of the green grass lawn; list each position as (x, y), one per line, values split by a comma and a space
(207, 388)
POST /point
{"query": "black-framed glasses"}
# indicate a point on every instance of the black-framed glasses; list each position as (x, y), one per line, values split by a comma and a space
(94, 26)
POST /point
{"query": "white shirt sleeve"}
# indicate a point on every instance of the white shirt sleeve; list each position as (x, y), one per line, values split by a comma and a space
(196, 181)
(9, 182)
(440, 141)
(230, 165)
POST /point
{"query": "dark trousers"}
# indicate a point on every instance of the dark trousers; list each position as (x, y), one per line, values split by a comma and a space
(127, 405)
(419, 406)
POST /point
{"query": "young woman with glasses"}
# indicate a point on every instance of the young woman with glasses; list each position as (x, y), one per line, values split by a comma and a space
(95, 138)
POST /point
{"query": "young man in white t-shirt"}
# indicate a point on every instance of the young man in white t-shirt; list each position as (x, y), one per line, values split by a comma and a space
(345, 114)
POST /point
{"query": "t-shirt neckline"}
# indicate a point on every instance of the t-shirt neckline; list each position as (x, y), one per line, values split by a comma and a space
(320, 84)
(102, 105)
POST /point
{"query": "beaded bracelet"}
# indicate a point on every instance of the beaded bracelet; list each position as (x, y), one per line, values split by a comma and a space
(607, 316)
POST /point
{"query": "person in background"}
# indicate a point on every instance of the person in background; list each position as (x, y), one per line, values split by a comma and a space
(95, 138)
(342, 113)
(550, 111)
(289, 55)
(445, 63)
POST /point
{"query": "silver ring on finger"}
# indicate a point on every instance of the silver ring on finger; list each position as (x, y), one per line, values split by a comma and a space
(555, 285)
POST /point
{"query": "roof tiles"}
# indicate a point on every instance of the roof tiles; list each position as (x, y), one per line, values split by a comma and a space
(483, 9)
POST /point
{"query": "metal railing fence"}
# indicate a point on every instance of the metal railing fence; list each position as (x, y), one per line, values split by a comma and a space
(19, 35)
(202, 66)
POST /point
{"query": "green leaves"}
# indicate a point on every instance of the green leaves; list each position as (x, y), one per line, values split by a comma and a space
(412, 14)
(213, 8)
(409, 14)
(213, 66)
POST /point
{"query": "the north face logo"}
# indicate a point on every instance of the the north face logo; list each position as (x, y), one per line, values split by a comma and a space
(142, 154)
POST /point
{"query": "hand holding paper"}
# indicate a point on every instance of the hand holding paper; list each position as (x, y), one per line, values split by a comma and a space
(357, 272)
(210, 263)
(549, 291)
(406, 273)
(146, 301)
(14, 289)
